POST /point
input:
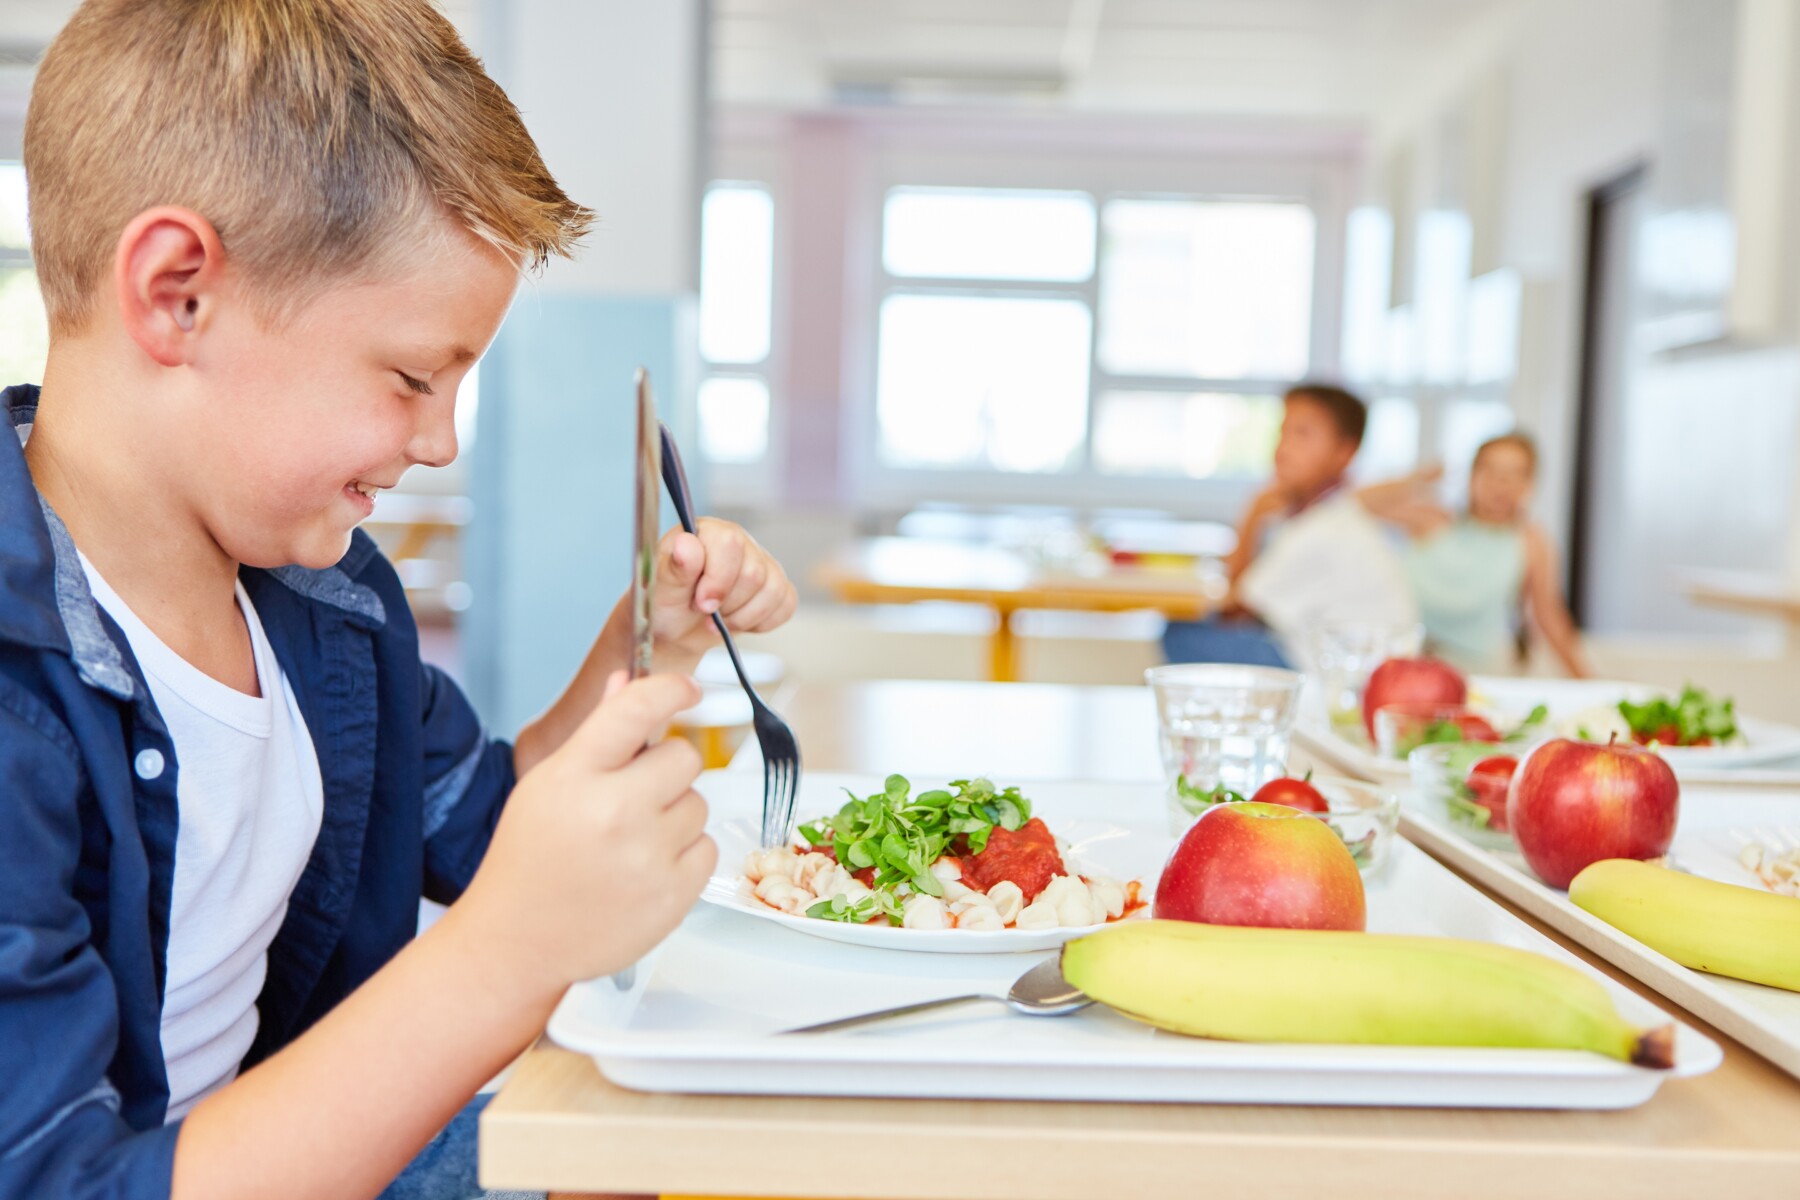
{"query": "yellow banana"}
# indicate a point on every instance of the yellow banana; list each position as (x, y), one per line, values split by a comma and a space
(1720, 928)
(1289, 985)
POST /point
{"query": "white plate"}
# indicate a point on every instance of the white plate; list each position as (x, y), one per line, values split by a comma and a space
(1714, 852)
(701, 1016)
(1767, 744)
(1095, 848)
(1713, 822)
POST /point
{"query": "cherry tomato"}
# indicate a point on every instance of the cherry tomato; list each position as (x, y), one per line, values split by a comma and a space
(1489, 780)
(1477, 729)
(1295, 793)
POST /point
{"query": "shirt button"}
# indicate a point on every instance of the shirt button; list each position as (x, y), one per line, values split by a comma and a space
(149, 764)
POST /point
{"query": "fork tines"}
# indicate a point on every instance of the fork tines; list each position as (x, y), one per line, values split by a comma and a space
(781, 776)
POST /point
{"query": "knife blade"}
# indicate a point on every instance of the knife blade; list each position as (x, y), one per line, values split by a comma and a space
(647, 501)
(648, 497)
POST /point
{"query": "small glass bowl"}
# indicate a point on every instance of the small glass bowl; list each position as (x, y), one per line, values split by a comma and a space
(1439, 773)
(1365, 816)
(1402, 728)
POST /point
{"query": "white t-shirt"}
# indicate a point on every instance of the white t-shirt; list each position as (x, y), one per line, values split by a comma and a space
(1330, 562)
(249, 797)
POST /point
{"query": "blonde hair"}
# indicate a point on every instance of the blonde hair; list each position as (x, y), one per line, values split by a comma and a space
(314, 135)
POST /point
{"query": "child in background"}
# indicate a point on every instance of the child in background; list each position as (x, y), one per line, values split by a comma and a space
(1307, 551)
(273, 235)
(1475, 575)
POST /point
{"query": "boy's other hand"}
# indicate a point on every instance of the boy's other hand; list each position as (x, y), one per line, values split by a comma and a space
(1271, 501)
(600, 850)
(719, 570)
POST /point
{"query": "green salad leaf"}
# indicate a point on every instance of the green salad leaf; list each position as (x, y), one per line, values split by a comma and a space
(1463, 808)
(1692, 718)
(900, 835)
(1197, 799)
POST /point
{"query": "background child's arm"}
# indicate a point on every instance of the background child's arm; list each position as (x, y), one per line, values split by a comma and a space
(596, 857)
(1268, 504)
(1545, 606)
(722, 570)
(1408, 502)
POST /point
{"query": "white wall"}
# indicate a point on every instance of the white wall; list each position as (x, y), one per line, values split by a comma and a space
(1582, 108)
(1710, 440)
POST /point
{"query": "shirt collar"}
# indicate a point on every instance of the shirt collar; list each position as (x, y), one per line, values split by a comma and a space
(1331, 489)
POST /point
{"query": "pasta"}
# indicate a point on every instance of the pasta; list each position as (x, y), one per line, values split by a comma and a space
(1004, 875)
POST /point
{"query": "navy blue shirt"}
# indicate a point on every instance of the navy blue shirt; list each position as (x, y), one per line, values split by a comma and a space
(413, 787)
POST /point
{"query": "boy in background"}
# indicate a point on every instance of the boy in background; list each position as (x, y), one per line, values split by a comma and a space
(273, 235)
(1308, 550)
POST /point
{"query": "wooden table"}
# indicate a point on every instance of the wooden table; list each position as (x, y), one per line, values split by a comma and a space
(1756, 595)
(904, 570)
(558, 1124)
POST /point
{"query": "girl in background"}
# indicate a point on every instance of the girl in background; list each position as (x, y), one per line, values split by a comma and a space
(1473, 574)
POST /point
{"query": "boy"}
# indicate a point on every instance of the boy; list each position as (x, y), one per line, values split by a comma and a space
(1307, 552)
(272, 237)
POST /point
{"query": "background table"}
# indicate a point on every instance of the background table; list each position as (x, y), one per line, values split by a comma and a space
(559, 1124)
(1757, 595)
(905, 570)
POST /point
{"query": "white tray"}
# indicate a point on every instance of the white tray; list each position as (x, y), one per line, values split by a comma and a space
(1770, 757)
(1765, 1019)
(701, 1015)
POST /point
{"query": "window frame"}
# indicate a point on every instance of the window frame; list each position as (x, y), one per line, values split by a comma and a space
(1322, 183)
(755, 165)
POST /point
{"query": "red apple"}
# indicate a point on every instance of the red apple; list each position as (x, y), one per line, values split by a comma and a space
(1575, 803)
(1489, 780)
(1261, 864)
(1295, 793)
(1409, 681)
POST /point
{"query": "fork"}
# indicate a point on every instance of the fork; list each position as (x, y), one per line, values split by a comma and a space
(780, 752)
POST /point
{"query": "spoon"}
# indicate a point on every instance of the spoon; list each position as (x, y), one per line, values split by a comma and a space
(1039, 992)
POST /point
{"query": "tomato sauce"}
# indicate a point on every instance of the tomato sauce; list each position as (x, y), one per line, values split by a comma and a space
(1027, 856)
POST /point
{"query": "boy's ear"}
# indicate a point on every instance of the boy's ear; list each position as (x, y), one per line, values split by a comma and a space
(166, 274)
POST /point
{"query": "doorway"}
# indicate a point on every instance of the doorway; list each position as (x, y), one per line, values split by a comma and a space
(1600, 579)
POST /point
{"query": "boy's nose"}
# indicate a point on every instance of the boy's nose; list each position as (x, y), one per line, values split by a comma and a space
(434, 439)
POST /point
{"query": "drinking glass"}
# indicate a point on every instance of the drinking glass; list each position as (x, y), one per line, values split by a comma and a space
(1343, 654)
(1221, 726)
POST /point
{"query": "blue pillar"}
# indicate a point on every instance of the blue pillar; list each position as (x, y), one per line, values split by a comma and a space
(612, 91)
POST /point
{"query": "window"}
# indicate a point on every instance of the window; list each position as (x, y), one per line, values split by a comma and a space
(1119, 340)
(1197, 434)
(1439, 365)
(1391, 442)
(992, 381)
(1493, 352)
(1212, 289)
(966, 233)
(27, 334)
(737, 267)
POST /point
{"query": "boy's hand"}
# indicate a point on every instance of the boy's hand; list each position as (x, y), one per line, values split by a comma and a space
(1271, 501)
(721, 570)
(600, 850)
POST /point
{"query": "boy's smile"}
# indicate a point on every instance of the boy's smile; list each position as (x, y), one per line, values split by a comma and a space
(317, 415)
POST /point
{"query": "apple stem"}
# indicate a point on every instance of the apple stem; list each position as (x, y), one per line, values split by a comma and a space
(1613, 738)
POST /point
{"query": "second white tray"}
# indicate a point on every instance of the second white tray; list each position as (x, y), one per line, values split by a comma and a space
(1765, 1019)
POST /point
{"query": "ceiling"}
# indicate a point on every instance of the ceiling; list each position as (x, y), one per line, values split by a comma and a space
(1341, 59)
(1335, 58)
